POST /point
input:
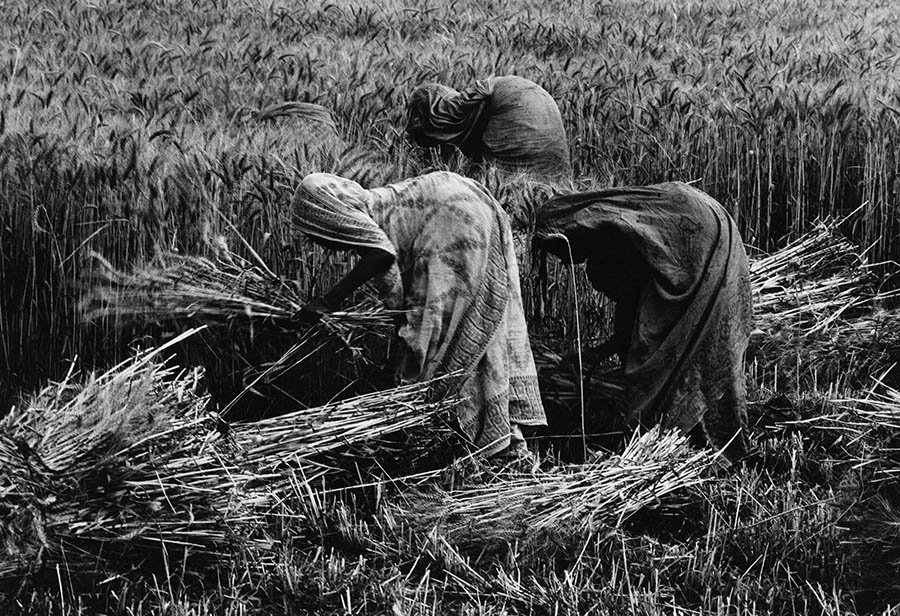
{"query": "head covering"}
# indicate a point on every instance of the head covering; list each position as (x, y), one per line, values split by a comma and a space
(525, 130)
(508, 120)
(437, 114)
(335, 209)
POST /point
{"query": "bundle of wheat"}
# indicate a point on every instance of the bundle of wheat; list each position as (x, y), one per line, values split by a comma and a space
(811, 281)
(301, 436)
(843, 353)
(603, 381)
(229, 290)
(816, 304)
(601, 493)
(129, 467)
(255, 348)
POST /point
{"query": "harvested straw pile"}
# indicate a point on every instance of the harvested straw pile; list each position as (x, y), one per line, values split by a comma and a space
(230, 290)
(818, 313)
(129, 468)
(577, 498)
(810, 282)
(254, 349)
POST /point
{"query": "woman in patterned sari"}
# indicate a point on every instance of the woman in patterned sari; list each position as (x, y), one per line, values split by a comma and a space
(439, 247)
(672, 260)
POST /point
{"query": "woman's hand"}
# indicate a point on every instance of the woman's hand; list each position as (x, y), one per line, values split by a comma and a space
(594, 354)
(313, 310)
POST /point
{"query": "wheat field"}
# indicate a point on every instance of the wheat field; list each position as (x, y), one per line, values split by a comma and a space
(130, 128)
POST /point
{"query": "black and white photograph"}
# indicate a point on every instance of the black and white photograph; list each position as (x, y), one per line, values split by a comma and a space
(477, 307)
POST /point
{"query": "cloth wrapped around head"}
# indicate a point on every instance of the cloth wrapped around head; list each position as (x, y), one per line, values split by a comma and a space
(336, 210)
(437, 114)
(507, 120)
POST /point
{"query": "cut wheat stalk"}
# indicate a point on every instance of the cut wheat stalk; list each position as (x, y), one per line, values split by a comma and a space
(601, 493)
(819, 276)
(229, 290)
(256, 351)
(104, 475)
(816, 303)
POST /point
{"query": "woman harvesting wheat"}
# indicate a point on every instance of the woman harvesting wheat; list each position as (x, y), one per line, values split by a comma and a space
(672, 259)
(440, 247)
(509, 120)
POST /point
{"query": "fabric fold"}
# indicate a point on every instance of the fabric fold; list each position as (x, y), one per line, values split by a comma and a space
(460, 288)
(508, 120)
(691, 316)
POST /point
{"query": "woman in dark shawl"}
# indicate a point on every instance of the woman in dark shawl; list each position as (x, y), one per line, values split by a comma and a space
(509, 120)
(440, 247)
(672, 259)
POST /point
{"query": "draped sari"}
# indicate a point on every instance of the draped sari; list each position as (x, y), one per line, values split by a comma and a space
(455, 275)
(691, 314)
(508, 120)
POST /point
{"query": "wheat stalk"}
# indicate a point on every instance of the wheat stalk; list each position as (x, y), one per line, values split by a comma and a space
(102, 475)
(584, 497)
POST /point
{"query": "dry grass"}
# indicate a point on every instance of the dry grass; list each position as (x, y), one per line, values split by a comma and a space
(176, 290)
(580, 499)
(258, 353)
(821, 317)
(137, 129)
(110, 475)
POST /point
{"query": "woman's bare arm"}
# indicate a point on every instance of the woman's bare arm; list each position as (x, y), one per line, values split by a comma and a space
(372, 262)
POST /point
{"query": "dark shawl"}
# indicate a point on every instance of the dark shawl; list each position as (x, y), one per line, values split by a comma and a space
(508, 120)
(692, 311)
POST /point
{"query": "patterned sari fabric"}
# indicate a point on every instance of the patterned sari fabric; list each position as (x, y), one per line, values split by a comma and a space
(456, 276)
(691, 318)
(508, 120)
